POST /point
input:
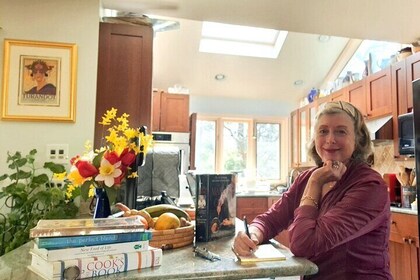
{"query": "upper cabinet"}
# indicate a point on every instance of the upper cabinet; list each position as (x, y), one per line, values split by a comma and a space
(379, 94)
(124, 74)
(412, 64)
(384, 93)
(170, 112)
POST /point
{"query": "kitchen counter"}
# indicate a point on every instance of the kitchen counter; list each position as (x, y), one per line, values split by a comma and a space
(404, 210)
(180, 264)
(258, 194)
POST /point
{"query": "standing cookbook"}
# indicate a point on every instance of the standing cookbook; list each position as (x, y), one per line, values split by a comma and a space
(75, 227)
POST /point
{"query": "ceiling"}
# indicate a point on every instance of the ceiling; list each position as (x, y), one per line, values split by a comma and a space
(303, 57)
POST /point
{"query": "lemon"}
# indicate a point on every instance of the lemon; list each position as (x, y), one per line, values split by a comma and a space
(167, 220)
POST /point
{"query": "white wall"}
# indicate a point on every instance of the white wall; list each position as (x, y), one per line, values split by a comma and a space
(67, 21)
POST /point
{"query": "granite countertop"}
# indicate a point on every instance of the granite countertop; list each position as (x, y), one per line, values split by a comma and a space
(180, 264)
(258, 194)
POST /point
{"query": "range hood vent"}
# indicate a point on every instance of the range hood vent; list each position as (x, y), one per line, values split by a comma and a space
(380, 129)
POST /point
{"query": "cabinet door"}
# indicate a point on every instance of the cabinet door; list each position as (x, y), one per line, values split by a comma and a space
(413, 73)
(174, 112)
(156, 110)
(124, 74)
(399, 98)
(357, 96)
(379, 94)
(403, 246)
(250, 207)
(303, 133)
(340, 95)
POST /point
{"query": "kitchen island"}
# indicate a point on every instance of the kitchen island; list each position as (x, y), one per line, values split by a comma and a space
(180, 263)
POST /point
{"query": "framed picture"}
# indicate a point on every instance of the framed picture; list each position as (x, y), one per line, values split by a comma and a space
(39, 81)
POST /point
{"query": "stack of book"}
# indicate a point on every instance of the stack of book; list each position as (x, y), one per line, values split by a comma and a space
(82, 248)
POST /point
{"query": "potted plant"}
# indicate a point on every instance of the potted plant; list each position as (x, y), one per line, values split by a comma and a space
(28, 195)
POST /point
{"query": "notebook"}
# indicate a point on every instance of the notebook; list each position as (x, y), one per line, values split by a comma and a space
(264, 252)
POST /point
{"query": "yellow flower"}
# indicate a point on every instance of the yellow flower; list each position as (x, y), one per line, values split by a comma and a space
(108, 172)
(133, 175)
(76, 178)
(59, 176)
(69, 191)
(109, 116)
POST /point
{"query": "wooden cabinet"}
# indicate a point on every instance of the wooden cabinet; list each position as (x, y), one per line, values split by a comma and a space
(124, 74)
(399, 98)
(340, 95)
(357, 96)
(250, 207)
(379, 94)
(171, 112)
(404, 246)
(412, 64)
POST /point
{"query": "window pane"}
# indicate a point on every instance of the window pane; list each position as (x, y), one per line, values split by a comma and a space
(235, 146)
(268, 150)
(205, 151)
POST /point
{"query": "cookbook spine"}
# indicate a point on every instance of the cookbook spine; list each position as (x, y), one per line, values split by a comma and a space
(97, 266)
(90, 251)
(90, 240)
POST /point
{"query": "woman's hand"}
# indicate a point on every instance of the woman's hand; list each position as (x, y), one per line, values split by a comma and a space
(243, 245)
(332, 171)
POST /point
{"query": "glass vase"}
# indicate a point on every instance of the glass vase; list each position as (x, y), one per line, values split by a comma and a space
(102, 206)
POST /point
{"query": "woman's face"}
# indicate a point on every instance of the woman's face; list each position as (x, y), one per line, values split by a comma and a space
(335, 137)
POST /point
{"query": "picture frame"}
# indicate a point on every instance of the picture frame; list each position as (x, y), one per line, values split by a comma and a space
(39, 81)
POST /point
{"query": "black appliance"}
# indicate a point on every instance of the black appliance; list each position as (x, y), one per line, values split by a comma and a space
(406, 134)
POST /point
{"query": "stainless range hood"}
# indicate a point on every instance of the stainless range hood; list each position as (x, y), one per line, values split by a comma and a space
(380, 129)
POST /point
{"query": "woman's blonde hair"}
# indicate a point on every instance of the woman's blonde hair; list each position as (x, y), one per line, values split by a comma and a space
(363, 145)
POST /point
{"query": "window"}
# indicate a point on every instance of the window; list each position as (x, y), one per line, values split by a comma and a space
(250, 147)
(241, 40)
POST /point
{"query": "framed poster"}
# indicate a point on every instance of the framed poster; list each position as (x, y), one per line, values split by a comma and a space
(39, 81)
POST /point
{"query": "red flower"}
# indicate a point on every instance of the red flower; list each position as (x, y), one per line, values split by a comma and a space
(86, 169)
(127, 157)
(112, 157)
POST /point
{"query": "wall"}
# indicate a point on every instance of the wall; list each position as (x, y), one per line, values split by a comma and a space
(67, 21)
(384, 161)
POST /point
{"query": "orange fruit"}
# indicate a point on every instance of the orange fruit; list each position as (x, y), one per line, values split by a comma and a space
(167, 220)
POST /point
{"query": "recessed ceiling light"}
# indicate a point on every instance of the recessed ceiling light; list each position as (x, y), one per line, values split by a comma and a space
(220, 77)
(324, 38)
(298, 82)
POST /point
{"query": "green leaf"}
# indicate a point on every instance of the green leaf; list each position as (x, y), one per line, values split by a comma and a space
(21, 174)
(21, 162)
(54, 167)
(97, 159)
(4, 176)
(112, 194)
(41, 179)
(84, 189)
(32, 152)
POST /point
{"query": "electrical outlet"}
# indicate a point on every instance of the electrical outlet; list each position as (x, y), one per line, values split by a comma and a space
(58, 153)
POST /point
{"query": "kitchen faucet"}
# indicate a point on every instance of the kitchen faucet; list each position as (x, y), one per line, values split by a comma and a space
(292, 176)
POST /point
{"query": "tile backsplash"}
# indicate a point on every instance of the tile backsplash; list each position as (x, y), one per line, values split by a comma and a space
(384, 161)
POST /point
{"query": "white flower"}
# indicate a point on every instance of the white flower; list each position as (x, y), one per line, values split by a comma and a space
(108, 172)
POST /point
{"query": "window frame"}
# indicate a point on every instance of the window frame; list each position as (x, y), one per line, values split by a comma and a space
(252, 144)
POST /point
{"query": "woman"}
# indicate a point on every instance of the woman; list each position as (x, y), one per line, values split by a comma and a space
(338, 213)
(39, 73)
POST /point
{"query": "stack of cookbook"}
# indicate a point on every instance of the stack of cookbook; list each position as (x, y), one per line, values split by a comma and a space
(82, 248)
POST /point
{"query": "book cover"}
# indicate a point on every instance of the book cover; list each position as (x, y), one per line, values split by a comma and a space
(90, 240)
(215, 206)
(90, 251)
(264, 252)
(71, 227)
(96, 266)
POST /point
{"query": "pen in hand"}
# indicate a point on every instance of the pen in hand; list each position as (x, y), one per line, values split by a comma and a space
(246, 227)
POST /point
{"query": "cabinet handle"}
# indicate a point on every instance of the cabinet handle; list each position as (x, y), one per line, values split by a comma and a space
(405, 240)
(393, 222)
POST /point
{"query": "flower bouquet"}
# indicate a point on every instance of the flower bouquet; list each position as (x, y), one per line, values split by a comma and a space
(107, 168)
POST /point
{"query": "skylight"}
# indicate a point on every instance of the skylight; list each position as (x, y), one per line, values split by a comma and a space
(241, 40)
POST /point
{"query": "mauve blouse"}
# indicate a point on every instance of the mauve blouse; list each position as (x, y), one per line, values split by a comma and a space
(347, 238)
